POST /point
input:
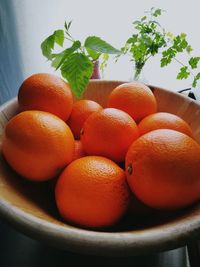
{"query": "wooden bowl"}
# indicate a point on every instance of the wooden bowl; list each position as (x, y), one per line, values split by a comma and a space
(30, 207)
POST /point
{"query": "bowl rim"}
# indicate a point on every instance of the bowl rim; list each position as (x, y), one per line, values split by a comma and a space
(174, 234)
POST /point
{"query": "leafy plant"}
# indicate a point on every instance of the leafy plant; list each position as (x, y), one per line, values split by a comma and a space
(77, 61)
(150, 39)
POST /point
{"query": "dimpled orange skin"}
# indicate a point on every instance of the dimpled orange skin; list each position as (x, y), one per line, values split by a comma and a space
(92, 192)
(164, 120)
(109, 133)
(37, 145)
(163, 169)
(81, 110)
(78, 151)
(46, 92)
(134, 98)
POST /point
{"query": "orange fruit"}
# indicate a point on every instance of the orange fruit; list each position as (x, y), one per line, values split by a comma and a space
(163, 168)
(134, 98)
(78, 151)
(164, 120)
(46, 92)
(37, 145)
(109, 133)
(92, 192)
(81, 110)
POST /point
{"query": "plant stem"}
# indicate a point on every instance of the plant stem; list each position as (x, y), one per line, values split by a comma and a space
(184, 66)
(137, 73)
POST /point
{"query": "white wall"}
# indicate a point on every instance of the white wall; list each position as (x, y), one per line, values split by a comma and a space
(109, 19)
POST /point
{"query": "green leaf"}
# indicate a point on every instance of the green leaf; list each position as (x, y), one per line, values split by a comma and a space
(183, 74)
(189, 49)
(93, 54)
(180, 43)
(143, 18)
(68, 25)
(136, 22)
(196, 78)
(139, 51)
(60, 58)
(59, 37)
(132, 39)
(77, 69)
(157, 12)
(48, 44)
(167, 56)
(97, 44)
(194, 62)
(104, 62)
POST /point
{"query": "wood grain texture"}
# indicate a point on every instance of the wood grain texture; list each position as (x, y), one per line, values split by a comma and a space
(31, 209)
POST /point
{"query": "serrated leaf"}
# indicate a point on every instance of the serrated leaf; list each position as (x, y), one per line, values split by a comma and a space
(132, 39)
(194, 62)
(59, 37)
(60, 58)
(180, 43)
(47, 46)
(157, 12)
(183, 74)
(169, 34)
(97, 44)
(196, 78)
(189, 49)
(183, 35)
(93, 54)
(167, 56)
(77, 69)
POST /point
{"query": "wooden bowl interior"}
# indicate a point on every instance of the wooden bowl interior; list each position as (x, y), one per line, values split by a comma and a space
(36, 201)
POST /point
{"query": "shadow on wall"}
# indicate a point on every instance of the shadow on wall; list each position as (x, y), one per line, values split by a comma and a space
(11, 74)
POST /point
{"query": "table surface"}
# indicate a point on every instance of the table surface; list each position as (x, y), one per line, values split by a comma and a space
(17, 249)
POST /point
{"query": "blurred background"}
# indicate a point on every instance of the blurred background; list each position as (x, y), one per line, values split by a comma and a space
(24, 24)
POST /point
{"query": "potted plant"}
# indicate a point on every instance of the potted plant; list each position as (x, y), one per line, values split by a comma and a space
(80, 62)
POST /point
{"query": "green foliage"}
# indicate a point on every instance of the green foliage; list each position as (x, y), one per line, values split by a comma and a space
(150, 39)
(194, 62)
(76, 61)
(184, 73)
(61, 57)
(48, 44)
(104, 62)
(97, 44)
(147, 41)
(77, 70)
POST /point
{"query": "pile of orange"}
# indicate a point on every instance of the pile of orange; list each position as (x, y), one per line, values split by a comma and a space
(84, 145)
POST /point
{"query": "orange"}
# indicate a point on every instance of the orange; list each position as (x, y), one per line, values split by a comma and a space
(46, 92)
(164, 120)
(81, 110)
(92, 192)
(37, 145)
(134, 98)
(109, 133)
(163, 168)
(78, 151)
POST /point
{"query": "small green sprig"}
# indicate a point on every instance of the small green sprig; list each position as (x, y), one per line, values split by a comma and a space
(150, 39)
(147, 41)
(76, 61)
